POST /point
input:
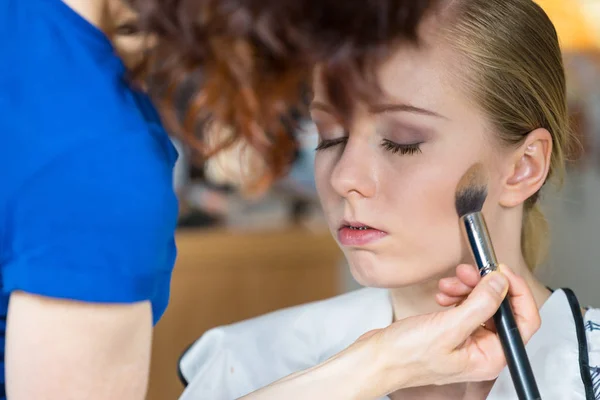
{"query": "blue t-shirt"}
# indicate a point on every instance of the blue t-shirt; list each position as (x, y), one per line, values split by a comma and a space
(87, 207)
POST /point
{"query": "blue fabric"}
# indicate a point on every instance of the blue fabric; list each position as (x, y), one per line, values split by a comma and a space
(87, 207)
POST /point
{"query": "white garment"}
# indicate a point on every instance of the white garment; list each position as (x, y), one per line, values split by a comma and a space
(231, 361)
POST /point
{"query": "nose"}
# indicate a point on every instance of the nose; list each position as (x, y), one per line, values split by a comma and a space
(355, 173)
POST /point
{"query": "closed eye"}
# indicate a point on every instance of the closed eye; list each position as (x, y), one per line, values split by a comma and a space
(403, 149)
(325, 144)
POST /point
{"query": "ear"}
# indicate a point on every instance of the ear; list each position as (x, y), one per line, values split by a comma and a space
(528, 168)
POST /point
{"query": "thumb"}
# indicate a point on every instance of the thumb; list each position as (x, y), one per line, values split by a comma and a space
(481, 304)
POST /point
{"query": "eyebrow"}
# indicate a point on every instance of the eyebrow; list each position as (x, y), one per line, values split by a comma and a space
(381, 108)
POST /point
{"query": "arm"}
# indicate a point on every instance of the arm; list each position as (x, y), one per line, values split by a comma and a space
(351, 374)
(63, 350)
(92, 250)
(440, 348)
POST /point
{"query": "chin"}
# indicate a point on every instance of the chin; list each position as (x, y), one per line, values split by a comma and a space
(373, 270)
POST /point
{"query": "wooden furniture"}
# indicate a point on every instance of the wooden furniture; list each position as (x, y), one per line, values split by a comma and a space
(221, 277)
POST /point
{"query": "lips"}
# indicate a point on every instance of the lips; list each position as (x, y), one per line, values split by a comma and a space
(356, 234)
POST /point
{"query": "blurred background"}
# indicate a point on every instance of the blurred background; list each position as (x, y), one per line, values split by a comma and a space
(239, 258)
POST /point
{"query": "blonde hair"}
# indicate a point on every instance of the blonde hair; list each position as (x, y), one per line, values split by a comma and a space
(512, 67)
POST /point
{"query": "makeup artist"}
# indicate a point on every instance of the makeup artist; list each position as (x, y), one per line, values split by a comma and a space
(87, 210)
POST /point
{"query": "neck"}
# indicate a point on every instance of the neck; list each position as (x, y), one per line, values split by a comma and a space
(419, 298)
(415, 299)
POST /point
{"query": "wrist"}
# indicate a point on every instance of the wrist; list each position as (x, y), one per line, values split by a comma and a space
(359, 367)
(383, 369)
(372, 371)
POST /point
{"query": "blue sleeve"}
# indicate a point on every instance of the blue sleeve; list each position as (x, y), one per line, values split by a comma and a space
(96, 224)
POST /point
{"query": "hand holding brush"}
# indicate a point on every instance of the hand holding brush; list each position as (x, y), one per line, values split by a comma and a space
(471, 194)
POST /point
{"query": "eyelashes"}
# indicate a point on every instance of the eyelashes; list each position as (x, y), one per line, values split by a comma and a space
(388, 145)
(325, 144)
(403, 149)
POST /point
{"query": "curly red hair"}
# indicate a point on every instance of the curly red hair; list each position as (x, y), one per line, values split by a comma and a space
(249, 60)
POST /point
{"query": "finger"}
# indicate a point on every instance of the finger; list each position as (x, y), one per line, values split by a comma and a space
(517, 285)
(480, 305)
(485, 356)
(454, 287)
(523, 304)
(468, 274)
(446, 301)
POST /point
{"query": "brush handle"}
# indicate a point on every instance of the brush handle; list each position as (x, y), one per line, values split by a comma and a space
(514, 351)
(478, 237)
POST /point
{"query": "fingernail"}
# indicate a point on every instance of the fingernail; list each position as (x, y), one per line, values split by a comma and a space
(498, 282)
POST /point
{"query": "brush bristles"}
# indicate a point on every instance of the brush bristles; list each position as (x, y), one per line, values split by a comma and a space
(471, 191)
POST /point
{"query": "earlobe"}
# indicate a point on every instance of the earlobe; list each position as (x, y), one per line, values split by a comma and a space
(528, 169)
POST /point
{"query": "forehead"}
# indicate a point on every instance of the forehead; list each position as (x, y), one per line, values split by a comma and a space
(420, 76)
(428, 76)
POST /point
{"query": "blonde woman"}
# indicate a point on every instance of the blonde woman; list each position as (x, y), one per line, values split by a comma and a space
(485, 85)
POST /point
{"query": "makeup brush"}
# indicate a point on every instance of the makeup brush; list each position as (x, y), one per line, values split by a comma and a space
(471, 193)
